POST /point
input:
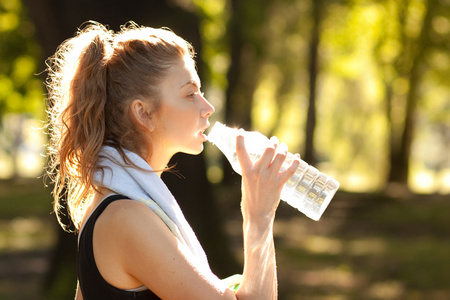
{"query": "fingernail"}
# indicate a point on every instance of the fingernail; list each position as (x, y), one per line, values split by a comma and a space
(275, 140)
(283, 147)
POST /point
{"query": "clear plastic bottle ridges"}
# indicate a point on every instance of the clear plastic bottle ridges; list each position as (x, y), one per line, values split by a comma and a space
(308, 190)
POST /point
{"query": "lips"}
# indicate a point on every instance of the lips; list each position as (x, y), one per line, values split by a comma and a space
(202, 133)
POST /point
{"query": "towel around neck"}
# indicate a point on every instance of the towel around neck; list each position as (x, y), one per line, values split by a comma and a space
(145, 185)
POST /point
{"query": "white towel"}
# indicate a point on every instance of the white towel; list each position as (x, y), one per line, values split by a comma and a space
(148, 188)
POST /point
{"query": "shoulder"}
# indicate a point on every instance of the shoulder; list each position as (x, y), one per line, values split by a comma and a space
(127, 217)
(129, 237)
(128, 230)
(129, 226)
(123, 207)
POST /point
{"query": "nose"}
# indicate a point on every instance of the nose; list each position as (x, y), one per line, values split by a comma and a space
(207, 108)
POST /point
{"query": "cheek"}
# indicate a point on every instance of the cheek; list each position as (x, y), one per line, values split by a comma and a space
(176, 122)
(178, 118)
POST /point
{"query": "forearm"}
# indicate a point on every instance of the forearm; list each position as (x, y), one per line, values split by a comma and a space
(259, 277)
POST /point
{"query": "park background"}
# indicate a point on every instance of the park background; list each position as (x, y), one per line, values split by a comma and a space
(359, 88)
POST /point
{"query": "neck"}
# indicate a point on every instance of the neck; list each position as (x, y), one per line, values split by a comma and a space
(159, 160)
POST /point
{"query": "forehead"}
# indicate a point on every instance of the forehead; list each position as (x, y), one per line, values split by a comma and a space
(183, 73)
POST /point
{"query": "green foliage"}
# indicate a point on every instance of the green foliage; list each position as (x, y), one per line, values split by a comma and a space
(20, 89)
(215, 50)
(375, 57)
(367, 54)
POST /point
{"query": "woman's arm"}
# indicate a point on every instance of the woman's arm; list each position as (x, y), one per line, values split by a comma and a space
(259, 277)
(262, 182)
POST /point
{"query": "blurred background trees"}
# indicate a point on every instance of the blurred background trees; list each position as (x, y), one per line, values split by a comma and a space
(359, 88)
(20, 90)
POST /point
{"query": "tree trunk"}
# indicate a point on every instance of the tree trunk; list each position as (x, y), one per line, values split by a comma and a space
(243, 72)
(246, 52)
(309, 155)
(400, 156)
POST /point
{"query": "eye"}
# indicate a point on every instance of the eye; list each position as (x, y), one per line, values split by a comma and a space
(193, 94)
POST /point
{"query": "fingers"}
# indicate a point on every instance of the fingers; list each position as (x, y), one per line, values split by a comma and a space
(241, 151)
(270, 152)
(272, 158)
(245, 159)
(267, 157)
(286, 174)
(285, 164)
(280, 157)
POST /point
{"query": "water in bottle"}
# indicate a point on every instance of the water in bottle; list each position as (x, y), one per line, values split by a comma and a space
(308, 190)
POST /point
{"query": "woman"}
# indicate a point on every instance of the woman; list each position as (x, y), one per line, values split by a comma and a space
(121, 105)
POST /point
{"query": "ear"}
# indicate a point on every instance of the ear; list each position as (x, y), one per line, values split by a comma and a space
(141, 112)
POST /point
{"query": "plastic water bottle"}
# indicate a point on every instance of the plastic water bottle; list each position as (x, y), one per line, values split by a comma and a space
(308, 190)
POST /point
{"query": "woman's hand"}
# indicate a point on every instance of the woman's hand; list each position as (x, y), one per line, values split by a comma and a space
(263, 180)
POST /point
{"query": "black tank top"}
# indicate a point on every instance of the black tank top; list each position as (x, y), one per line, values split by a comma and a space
(92, 284)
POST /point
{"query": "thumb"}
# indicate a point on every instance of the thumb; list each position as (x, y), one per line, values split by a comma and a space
(241, 151)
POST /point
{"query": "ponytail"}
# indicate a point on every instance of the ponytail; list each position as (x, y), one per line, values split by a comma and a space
(77, 95)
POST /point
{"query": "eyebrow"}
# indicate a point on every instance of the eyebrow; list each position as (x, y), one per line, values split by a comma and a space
(193, 82)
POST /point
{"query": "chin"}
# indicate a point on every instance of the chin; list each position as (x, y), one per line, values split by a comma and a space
(198, 151)
(194, 151)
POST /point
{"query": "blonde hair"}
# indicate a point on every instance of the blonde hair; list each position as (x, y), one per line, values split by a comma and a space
(92, 79)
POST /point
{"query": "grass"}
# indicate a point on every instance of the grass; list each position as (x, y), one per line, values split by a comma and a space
(24, 197)
(394, 250)
(365, 247)
(27, 236)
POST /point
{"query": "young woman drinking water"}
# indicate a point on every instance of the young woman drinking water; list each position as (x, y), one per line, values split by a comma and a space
(120, 106)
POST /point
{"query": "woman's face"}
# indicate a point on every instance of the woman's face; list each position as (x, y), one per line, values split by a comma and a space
(183, 112)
